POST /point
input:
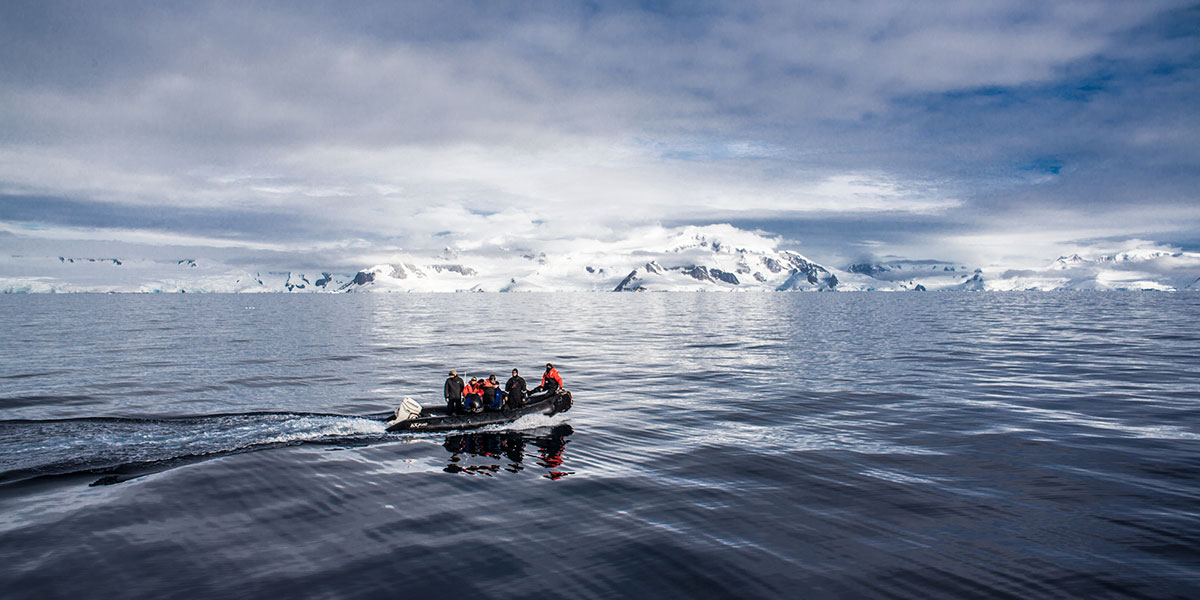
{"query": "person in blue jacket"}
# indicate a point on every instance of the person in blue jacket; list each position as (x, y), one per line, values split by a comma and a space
(493, 396)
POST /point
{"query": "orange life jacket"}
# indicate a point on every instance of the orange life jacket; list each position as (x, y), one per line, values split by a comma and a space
(552, 374)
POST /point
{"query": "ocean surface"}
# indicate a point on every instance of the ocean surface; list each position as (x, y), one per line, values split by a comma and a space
(769, 445)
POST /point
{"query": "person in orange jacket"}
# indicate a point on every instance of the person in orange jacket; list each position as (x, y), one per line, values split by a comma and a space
(473, 395)
(551, 381)
(492, 395)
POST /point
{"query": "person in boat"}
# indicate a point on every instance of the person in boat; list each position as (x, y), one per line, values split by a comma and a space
(493, 398)
(516, 391)
(551, 381)
(473, 395)
(453, 391)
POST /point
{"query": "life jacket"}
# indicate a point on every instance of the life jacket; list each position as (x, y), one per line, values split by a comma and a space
(553, 375)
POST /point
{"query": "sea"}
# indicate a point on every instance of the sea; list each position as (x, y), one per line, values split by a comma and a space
(721, 445)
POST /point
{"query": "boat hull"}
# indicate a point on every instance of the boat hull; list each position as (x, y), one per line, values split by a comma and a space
(438, 418)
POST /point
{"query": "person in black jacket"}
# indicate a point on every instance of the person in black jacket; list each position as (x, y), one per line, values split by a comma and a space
(453, 391)
(515, 388)
(493, 397)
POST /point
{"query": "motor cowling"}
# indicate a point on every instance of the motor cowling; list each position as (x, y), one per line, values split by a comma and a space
(562, 402)
(409, 409)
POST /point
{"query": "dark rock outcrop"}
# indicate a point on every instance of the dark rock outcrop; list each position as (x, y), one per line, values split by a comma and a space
(702, 273)
(725, 276)
(361, 278)
(974, 284)
(867, 269)
(627, 283)
(772, 265)
(699, 273)
(461, 270)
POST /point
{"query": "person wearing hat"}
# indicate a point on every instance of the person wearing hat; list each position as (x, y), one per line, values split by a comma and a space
(453, 391)
(473, 395)
(493, 396)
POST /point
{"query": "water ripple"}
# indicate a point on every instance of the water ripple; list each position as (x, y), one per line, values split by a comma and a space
(865, 445)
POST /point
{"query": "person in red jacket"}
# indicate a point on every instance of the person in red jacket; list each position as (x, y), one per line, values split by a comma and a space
(473, 395)
(551, 381)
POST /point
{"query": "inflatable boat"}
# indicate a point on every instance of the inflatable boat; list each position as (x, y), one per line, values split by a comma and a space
(411, 416)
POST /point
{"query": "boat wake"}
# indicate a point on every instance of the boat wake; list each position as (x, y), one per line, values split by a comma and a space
(528, 423)
(119, 449)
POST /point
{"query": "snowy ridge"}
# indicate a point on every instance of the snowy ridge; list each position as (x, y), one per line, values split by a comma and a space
(21, 274)
(1139, 268)
(912, 275)
(695, 259)
(708, 258)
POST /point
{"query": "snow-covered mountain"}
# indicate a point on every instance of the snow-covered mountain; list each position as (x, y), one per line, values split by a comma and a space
(1140, 268)
(716, 258)
(709, 258)
(915, 275)
(1137, 268)
(63, 274)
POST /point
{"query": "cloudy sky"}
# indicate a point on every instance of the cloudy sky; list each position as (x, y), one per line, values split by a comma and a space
(991, 132)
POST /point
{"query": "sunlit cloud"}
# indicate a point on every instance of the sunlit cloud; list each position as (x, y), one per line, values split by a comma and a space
(999, 131)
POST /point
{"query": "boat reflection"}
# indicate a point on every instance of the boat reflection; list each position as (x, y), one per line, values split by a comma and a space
(477, 453)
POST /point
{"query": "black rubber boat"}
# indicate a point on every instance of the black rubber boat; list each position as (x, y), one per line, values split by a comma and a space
(437, 418)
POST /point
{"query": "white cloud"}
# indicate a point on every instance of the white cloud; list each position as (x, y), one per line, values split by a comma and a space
(563, 125)
(138, 236)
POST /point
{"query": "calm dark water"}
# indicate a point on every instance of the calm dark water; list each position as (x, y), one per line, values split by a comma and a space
(721, 445)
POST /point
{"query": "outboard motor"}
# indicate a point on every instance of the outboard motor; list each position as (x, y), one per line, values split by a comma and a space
(562, 403)
(408, 409)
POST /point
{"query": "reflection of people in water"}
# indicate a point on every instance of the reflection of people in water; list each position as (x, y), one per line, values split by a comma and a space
(551, 450)
(510, 445)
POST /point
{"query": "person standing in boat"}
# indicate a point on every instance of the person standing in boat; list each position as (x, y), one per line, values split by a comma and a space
(515, 388)
(453, 392)
(551, 381)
